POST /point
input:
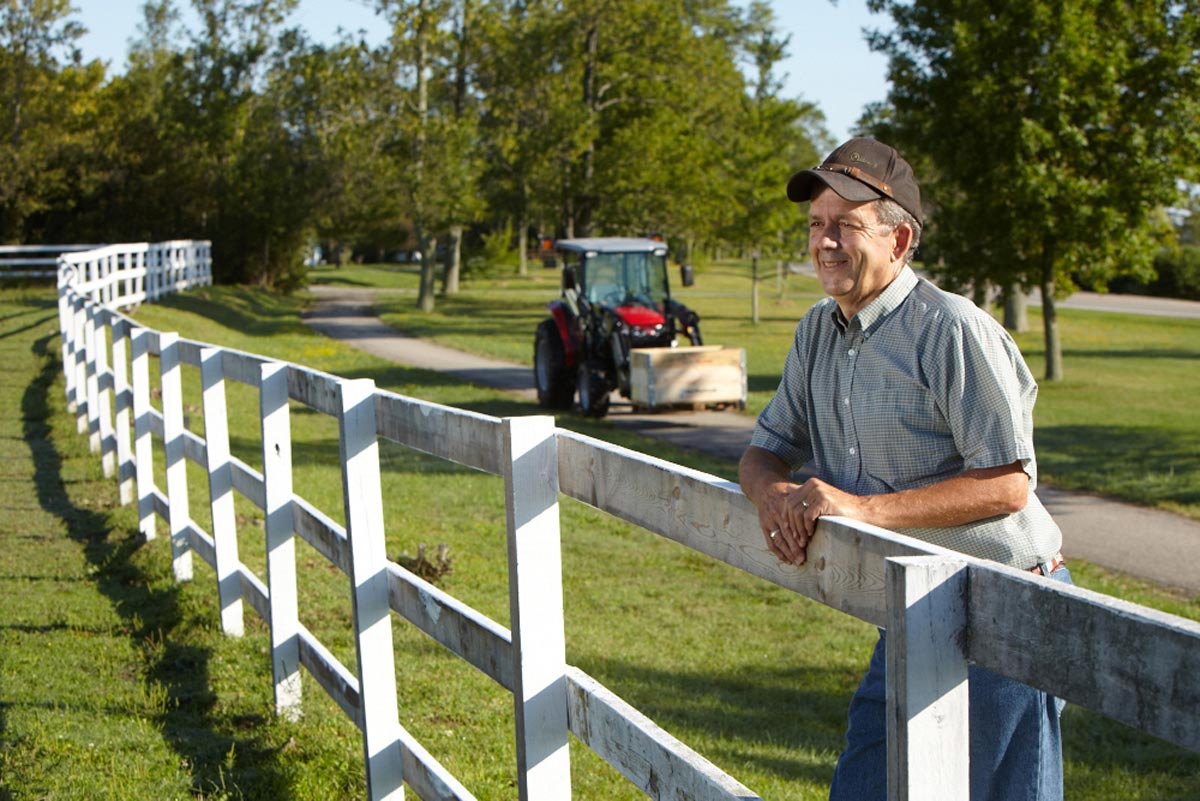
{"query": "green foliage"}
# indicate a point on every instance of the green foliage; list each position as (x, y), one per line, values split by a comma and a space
(496, 257)
(1051, 134)
(1176, 275)
(578, 118)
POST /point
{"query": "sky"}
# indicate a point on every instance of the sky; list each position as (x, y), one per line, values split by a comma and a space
(829, 63)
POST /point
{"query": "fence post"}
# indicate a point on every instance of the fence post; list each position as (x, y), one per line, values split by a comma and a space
(178, 511)
(122, 398)
(66, 326)
(104, 383)
(281, 544)
(927, 700)
(152, 272)
(143, 438)
(362, 498)
(80, 364)
(530, 464)
(220, 490)
(91, 349)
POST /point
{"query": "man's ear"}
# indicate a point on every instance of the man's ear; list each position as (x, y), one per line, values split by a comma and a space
(904, 237)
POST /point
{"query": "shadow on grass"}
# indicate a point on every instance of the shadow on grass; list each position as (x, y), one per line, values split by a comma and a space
(253, 312)
(1139, 464)
(759, 706)
(151, 613)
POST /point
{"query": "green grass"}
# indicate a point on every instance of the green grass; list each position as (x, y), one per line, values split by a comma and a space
(117, 682)
(1121, 424)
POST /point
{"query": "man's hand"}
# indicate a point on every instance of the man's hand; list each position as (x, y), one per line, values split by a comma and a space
(788, 512)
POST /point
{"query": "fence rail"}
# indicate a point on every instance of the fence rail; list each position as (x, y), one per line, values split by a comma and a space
(943, 609)
(34, 261)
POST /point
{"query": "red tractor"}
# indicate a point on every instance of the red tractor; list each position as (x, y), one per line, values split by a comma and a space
(615, 298)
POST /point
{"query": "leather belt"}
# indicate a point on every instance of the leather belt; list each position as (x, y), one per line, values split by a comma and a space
(1053, 565)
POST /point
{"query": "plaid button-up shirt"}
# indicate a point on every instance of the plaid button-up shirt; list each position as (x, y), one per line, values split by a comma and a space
(919, 386)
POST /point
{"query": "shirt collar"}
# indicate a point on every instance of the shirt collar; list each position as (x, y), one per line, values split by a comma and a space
(887, 302)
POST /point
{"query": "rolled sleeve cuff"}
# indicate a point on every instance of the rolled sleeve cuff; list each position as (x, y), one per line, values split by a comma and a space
(785, 449)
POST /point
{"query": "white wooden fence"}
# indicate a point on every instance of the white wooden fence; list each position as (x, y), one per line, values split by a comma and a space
(943, 609)
(34, 261)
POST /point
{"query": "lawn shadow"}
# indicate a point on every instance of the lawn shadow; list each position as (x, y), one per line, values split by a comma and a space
(252, 313)
(1147, 466)
(744, 707)
(151, 611)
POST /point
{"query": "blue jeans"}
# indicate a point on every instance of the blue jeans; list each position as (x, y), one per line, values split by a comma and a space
(1016, 744)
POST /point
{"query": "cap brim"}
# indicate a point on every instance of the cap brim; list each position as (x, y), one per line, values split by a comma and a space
(803, 184)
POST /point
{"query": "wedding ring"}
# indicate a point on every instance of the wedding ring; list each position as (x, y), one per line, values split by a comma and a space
(804, 504)
(774, 534)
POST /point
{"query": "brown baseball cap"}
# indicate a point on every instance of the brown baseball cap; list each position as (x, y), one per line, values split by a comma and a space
(862, 169)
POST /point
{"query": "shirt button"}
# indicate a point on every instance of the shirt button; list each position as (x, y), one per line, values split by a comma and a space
(845, 401)
(851, 353)
(853, 451)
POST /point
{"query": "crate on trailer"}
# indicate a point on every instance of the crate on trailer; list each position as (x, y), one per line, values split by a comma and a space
(700, 375)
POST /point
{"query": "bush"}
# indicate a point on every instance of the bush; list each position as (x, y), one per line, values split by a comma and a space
(497, 257)
(1177, 275)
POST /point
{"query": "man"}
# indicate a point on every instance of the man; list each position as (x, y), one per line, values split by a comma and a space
(914, 410)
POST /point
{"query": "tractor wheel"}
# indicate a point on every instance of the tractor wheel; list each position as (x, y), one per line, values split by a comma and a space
(555, 389)
(593, 390)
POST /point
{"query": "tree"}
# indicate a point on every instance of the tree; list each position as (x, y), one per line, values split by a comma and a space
(774, 137)
(1056, 131)
(37, 118)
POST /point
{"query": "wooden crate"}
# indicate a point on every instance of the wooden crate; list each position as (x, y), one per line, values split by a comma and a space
(696, 375)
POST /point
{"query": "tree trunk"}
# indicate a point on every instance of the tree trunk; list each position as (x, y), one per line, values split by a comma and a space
(1016, 309)
(428, 250)
(425, 243)
(523, 230)
(754, 288)
(1054, 365)
(979, 293)
(583, 213)
(453, 261)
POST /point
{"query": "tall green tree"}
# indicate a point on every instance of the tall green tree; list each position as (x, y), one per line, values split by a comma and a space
(775, 137)
(41, 87)
(1057, 131)
(417, 46)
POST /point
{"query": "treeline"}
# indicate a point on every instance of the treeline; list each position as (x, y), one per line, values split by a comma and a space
(475, 118)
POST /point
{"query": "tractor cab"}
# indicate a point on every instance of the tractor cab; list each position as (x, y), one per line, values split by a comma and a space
(616, 296)
(625, 280)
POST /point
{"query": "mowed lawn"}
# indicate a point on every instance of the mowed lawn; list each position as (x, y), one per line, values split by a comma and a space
(117, 682)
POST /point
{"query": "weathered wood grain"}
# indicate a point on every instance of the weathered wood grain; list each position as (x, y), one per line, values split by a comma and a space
(927, 702)
(463, 437)
(655, 762)
(530, 467)
(469, 634)
(1127, 662)
(362, 502)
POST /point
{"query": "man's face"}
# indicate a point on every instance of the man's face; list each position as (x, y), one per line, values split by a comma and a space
(854, 255)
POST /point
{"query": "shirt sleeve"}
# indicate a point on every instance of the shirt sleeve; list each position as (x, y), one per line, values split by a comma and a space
(985, 394)
(782, 426)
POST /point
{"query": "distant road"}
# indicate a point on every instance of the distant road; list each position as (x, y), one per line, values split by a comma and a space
(1094, 301)
(1125, 304)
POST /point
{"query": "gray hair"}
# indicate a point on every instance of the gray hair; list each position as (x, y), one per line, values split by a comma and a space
(893, 215)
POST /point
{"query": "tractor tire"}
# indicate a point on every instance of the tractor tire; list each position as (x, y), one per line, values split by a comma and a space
(593, 390)
(555, 389)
